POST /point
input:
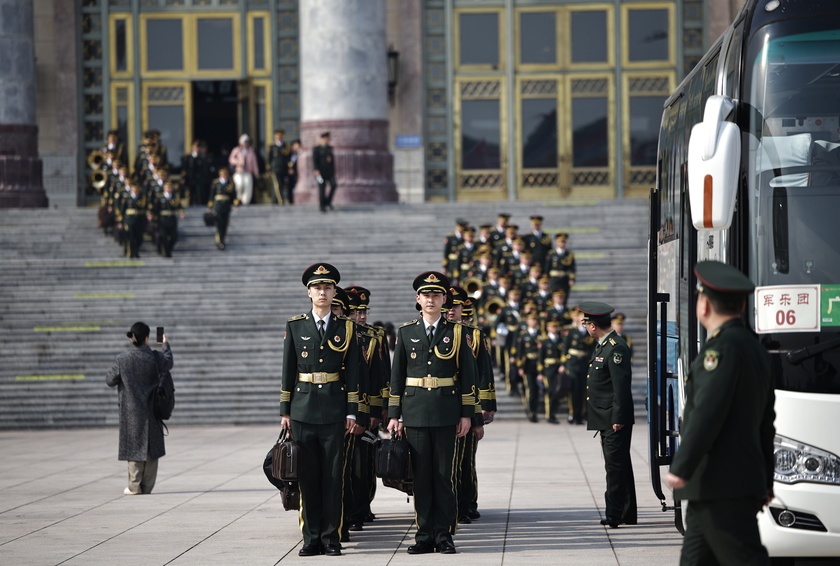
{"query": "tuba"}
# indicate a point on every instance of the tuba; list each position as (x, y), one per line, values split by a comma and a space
(96, 159)
(98, 179)
(473, 286)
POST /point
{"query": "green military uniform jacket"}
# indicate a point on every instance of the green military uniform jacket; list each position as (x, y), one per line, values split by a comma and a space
(561, 268)
(608, 397)
(223, 198)
(278, 159)
(450, 252)
(449, 355)
(323, 161)
(166, 210)
(726, 437)
(527, 350)
(376, 353)
(551, 355)
(304, 352)
(486, 381)
(578, 346)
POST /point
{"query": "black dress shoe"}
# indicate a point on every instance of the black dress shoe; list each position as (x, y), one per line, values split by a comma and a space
(553, 420)
(345, 537)
(532, 418)
(332, 550)
(473, 515)
(421, 548)
(310, 550)
(356, 526)
(464, 520)
(571, 419)
(369, 518)
(611, 521)
(446, 547)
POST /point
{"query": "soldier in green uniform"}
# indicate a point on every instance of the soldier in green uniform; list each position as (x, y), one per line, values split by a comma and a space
(319, 401)
(506, 324)
(131, 218)
(527, 355)
(222, 200)
(450, 247)
(278, 167)
(550, 358)
(323, 165)
(165, 211)
(577, 351)
(560, 264)
(537, 241)
(618, 320)
(498, 232)
(724, 463)
(468, 484)
(433, 398)
(609, 410)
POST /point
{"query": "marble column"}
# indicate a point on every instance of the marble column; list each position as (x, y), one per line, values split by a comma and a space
(344, 90)
(21, 171)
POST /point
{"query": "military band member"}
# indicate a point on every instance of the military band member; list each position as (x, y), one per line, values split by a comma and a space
(197, 173)
(557, 308)
(433, 398)
(485, 236)
(323, 165)
(504, 247)
(618, 325)
(499, 230)
(526, 352)
(482, 263)
(578, 346)
(131, 218)
(560, 264)
(724, 463)
(537, 241)
(450, 247)
(278, 166)
(466, 253)
(506, 325)
(115, 146)
(609, 410)
(222, 201)
(551, 357)
(166, 210)
(319, 401)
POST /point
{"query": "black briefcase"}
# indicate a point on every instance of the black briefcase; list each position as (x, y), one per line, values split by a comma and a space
(289, 490)
(392, 459)
(285, 461)
(209, 219)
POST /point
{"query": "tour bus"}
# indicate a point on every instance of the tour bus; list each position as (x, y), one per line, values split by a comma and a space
(748, 173)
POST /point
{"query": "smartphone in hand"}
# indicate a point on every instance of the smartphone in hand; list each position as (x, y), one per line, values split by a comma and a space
(160, 335)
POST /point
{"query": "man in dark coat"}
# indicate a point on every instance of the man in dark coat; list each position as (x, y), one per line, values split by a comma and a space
(323, 165)
(609, 410)
(727, 427)
(136, 375)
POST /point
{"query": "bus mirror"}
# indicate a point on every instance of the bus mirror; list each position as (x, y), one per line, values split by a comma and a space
(714, 154)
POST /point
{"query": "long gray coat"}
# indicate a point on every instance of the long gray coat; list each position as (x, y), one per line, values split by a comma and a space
(135, 375)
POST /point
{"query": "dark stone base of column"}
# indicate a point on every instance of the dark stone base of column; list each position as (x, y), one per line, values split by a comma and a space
(21, 171)
(364, 166)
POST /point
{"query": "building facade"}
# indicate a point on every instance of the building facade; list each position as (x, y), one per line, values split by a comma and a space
(466, 99)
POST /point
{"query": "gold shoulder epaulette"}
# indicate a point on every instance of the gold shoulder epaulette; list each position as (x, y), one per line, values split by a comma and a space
(612, 342)
(299, 317)
(410, 322)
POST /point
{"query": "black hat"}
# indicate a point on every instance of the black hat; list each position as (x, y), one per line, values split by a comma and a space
(561, 236)
(504, 215)
(364, 296)
(431, 282)
(594, 311)
(618, 317)
(320, 273)
(341, 299)
(469, 307)
(459, 295)
(353, 300)
(536, 218)
(716, 278)
(462, 222)
(325, 134)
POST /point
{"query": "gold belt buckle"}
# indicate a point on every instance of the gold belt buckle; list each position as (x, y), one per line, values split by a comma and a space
(429, 382)
(319, 377)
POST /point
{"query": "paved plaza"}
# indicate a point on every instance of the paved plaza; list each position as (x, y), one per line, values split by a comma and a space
(540, 494)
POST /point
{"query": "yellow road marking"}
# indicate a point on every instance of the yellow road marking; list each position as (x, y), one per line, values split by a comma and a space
(66, 329)
(590, 287)
(48, 377)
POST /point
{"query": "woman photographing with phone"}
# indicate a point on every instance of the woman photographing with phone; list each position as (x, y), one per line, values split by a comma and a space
(136, 374)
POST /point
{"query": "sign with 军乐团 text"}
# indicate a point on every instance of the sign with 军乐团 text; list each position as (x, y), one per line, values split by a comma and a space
(788, 308)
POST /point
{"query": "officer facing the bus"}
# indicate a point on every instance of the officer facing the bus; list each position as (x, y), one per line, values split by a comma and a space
(724, 465)
(609, 410)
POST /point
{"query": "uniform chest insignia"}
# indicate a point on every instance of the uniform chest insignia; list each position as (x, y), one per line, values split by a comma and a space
(599, 359)
(415, 340)
(306, 337)
(710, 361)
(469, 341)
(413, 355)
(304, 354)
(337, 338)
(446, 339)
(617, 359)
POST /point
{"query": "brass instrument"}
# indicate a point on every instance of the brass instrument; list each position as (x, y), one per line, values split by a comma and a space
(492, 308)
(96, 159)
(98, 179)
(473, 286)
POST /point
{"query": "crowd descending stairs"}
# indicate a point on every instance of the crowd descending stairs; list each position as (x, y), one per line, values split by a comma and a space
(69, 296)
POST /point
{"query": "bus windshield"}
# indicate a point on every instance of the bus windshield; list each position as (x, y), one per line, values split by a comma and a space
(793, 83)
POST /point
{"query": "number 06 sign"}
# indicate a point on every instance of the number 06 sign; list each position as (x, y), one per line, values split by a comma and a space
(794, 308)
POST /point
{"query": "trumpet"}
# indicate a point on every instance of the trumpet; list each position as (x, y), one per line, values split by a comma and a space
(98, 179)
(473, 287)
(96, 159)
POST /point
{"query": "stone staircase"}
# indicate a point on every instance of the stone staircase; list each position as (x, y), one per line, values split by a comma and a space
(67, 296)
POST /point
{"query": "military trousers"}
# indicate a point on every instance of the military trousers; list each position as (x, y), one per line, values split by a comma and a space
(551, 394)
(222, 221)
(325, 197)
(621, 487)
(577, 397)
(321, 481)
(724, 532)
(168, 235)
(433, 462)
(467, 480)
(361, 476)
(531, 399)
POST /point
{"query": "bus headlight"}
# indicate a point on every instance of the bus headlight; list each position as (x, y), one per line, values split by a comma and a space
(795, 462)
